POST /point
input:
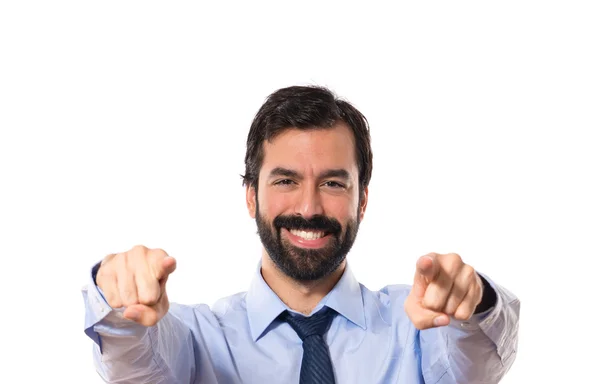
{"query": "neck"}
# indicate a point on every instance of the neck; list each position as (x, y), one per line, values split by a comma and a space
(301, 296)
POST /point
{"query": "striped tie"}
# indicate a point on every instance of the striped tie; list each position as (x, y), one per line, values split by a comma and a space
(316, 363)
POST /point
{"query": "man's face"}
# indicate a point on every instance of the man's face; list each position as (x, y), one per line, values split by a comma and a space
(308, 209)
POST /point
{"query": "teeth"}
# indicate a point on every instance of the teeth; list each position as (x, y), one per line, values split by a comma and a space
(308, 235)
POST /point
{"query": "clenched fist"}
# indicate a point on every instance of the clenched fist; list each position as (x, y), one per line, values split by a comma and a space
(136, 280)
(444, 287)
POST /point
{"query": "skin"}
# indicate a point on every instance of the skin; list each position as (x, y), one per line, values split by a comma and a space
(444, 286)
(310, 154)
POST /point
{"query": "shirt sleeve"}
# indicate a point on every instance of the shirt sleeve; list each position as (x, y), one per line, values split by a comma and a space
(480, 350)
(127, 352)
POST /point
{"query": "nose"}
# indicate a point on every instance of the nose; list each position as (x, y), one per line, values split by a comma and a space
(309, 202)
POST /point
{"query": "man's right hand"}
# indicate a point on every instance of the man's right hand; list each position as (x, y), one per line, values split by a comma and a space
(136, 280)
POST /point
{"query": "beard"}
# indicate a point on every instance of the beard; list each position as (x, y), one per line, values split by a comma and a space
(306, 264)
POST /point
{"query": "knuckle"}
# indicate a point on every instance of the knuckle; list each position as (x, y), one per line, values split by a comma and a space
(452, 266)
(451, 260)
(450, 308)
(107, 265)
(454, 270)
(469, 271)
(432, 302)
(427, 301)
(456, 259)
(433, 305)
(117, 261)
(127, 293)
(114, 302)
(104, 274)
(108, 259)
(138, 249)
(148, 297)
(462, 315)
(159, 252)
(127, 301)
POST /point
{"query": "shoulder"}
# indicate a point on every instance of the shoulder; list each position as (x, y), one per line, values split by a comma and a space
(230, 305)
(384, 312)
(389, 294)
(204, 314)
(387, 302)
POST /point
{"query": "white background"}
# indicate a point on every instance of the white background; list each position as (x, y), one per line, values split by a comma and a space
(125, 123)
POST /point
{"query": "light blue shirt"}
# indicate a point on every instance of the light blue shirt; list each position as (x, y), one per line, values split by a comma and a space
(239, 340)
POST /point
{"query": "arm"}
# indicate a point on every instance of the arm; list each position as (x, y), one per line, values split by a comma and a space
(128, 352)
(479, 350)
(468, 325)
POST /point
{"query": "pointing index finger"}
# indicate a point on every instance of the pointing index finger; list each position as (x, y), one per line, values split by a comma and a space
(428, 267)
(424, 274)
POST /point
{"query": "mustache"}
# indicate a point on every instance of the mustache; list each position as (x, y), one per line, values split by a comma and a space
(317, 223)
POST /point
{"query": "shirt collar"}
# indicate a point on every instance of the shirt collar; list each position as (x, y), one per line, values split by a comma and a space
(263, 305)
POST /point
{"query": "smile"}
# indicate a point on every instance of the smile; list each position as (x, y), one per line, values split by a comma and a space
(306, 238)
(307, 235)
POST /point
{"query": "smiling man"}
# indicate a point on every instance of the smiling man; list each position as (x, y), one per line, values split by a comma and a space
(305, 318)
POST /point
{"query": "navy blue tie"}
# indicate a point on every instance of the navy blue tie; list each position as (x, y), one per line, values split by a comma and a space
(316, 363)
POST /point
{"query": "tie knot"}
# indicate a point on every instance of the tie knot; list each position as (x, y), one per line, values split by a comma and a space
(316, 324)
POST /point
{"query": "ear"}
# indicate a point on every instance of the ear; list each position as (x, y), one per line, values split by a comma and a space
(251, 200)
(363, 204)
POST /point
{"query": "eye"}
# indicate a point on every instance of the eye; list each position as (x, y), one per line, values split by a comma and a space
(284, 182)
(334, 184)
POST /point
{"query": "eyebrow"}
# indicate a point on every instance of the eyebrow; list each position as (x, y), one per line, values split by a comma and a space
(330, 173)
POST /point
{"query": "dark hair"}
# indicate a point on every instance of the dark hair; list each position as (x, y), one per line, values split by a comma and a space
(306, 107)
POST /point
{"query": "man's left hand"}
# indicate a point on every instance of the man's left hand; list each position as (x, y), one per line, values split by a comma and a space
(444, 287)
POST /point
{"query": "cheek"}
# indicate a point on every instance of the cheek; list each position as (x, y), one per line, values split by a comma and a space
(343, 209)
(273, 204)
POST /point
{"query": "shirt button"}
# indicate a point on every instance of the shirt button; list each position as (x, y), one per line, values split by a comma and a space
(464, 324)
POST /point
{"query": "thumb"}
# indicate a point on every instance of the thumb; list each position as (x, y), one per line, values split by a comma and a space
(421, 317)
(147, 315)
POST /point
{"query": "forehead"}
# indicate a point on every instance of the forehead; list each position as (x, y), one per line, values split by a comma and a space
(315, 149)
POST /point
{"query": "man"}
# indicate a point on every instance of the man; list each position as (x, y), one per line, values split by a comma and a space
(304, 318)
